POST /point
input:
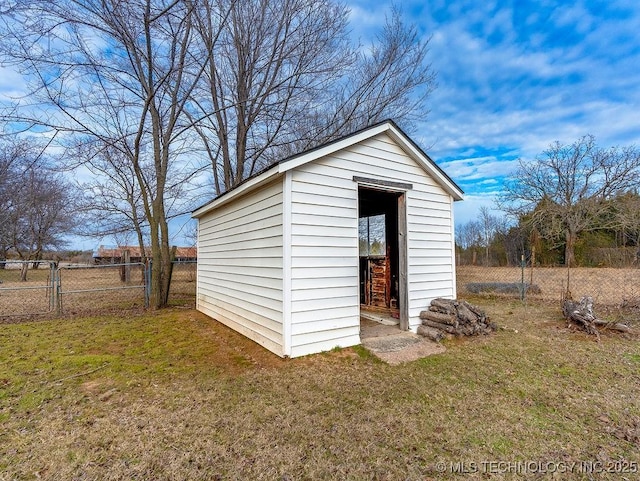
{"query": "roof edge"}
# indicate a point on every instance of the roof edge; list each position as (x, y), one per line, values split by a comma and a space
(250, 184)
(334, 146)
(397, 134)
(427, 163)
(289, 163)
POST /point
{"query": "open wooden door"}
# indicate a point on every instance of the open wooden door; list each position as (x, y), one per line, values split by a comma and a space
(383, 259)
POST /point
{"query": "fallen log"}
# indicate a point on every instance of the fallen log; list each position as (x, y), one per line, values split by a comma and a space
(442, 327)
(581, 314)
(431, 333)
(456, 317)
(476, 310)
(452, 320)
(447, 306)
(613, 326)
(466, 315)
(457, 308)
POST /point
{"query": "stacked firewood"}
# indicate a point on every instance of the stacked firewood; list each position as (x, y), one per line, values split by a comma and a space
(449, 317)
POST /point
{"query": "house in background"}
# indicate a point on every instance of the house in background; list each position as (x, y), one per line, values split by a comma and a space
(115, 254)
(292, 257)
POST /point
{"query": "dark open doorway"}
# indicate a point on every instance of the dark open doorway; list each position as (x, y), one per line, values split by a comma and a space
(380, 246)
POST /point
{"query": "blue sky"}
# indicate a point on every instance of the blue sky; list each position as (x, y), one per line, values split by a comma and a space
(515, 76)
(512, 77)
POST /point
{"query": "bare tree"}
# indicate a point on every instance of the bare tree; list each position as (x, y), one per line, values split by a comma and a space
(12, 156)
(469, 236)
(119, 74)
(250, 81)
(284, 76)
(564, 191)
(488, 227)
(112, 202)
(627, 217)
(37, 204)
(191, 233)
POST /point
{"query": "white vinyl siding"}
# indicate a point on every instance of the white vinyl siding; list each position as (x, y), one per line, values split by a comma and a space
(430, 255)
(240, 265)
(324, 233)
(325, 305)
(278, 259)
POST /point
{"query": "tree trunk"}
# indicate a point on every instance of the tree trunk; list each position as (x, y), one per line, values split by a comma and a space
(143, 250)
(159, 273)
(569, 248)
(438, 325)
(436, 316)
(161, 259)
(24, 268)
(454, 317)
(581, 313)
(125, 269)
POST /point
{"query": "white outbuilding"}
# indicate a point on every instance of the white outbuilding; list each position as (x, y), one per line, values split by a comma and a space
(294, 255)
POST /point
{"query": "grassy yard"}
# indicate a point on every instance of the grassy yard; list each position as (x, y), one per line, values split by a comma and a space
(175, 395)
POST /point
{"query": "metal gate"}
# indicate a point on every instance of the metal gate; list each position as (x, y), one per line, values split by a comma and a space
(27, 288)
(30, 289)
(100, 287)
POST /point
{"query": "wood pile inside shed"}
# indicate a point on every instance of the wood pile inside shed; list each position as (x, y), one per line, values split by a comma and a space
(450, 317)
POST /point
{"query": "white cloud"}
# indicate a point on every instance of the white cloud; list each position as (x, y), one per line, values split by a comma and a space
(465, 170)
(510, 81)
(575, 15)
(467, 210)
(515, 92)
(12, 85)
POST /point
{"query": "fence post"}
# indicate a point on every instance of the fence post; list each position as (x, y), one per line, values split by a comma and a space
(52, 286)
(57, 299)
(147, 283)
(522, 286)
(125, 269)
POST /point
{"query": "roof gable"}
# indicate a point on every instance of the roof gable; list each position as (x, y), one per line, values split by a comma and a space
(389, 127)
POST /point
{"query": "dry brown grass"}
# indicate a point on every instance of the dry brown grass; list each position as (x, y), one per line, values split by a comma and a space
(34, 296)
(175, 395)
(608, 286)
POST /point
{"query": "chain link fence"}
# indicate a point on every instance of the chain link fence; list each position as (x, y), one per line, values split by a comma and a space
(29, 289)
(183, 284)
(41, 288)
(613, 289)
(101, 288)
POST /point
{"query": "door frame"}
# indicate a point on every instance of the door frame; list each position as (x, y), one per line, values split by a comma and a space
(403, 255)
(403, 264)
